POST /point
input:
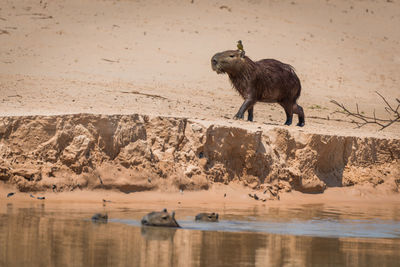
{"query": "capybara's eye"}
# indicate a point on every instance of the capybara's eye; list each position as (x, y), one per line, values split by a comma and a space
(232, 55)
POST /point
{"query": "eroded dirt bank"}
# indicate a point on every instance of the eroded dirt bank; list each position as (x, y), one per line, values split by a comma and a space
(139, 153)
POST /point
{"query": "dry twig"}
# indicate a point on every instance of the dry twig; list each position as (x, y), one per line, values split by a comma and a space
(362, 120)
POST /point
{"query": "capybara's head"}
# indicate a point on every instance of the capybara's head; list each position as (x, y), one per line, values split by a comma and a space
(98, 217)
(160, 218)
(207, 217)
(230, 61)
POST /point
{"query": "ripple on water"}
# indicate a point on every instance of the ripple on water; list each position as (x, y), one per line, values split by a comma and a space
(317, 227)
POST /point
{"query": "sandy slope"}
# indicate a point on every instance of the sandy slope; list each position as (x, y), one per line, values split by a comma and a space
(132, 153)
(105, 56)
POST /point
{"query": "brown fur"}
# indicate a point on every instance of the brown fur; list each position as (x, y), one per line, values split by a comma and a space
(160, 218)
(207, 217)
(267, 80)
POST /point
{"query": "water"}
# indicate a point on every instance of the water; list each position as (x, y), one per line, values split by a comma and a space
(49, 234)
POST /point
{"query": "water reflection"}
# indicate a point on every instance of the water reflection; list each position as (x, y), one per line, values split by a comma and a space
(158, 233)
(34, 235)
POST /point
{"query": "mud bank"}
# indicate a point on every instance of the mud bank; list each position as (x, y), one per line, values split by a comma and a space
(139, 153)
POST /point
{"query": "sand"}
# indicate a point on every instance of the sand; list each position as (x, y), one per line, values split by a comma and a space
(153, 58)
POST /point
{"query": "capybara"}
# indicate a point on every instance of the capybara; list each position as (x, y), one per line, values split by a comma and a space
(160, 218)
(207, 217)
(98, 217)
(266, 80)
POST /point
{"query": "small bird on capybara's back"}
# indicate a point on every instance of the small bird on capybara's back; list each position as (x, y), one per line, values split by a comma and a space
(266, 80)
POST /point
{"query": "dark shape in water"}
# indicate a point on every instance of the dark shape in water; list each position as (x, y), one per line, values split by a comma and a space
(160, 218)
(32, 196)
(10, 194)
(100, 218)
(207, 217)
(41, 198)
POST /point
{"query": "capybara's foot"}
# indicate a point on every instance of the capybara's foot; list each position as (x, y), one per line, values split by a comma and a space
(238, 117)
(288, 122)
(300, 124)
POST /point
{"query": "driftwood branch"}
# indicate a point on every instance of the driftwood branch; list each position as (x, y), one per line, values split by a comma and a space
(361, 120)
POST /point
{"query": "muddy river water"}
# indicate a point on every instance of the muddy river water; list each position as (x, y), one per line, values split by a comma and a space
(41, 233)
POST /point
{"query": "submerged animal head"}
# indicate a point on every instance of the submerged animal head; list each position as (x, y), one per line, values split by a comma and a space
(207, 217)
(160, 218)
(98, 217)
(230, 61)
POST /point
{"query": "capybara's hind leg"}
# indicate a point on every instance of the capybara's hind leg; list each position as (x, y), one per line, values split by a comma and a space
(250, 114)
(289, 112)
(300, 112)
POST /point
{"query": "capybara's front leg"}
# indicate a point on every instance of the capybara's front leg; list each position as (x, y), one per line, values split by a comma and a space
(249, 102)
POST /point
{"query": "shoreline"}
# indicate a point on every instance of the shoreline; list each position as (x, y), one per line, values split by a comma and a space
(236, 196)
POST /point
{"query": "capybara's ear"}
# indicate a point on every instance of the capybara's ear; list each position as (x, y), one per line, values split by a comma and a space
(242, 54)
(164, 210)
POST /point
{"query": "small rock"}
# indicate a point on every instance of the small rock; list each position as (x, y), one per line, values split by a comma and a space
(192, 170)
(190, 155)
(254, 196)
(254, 185)
(170, 151)
(10, 194)
(196, 127)
(28, 174)
(203, 162)
(273, 193)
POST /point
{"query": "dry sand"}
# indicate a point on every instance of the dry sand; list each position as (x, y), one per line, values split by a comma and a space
(153, 58)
